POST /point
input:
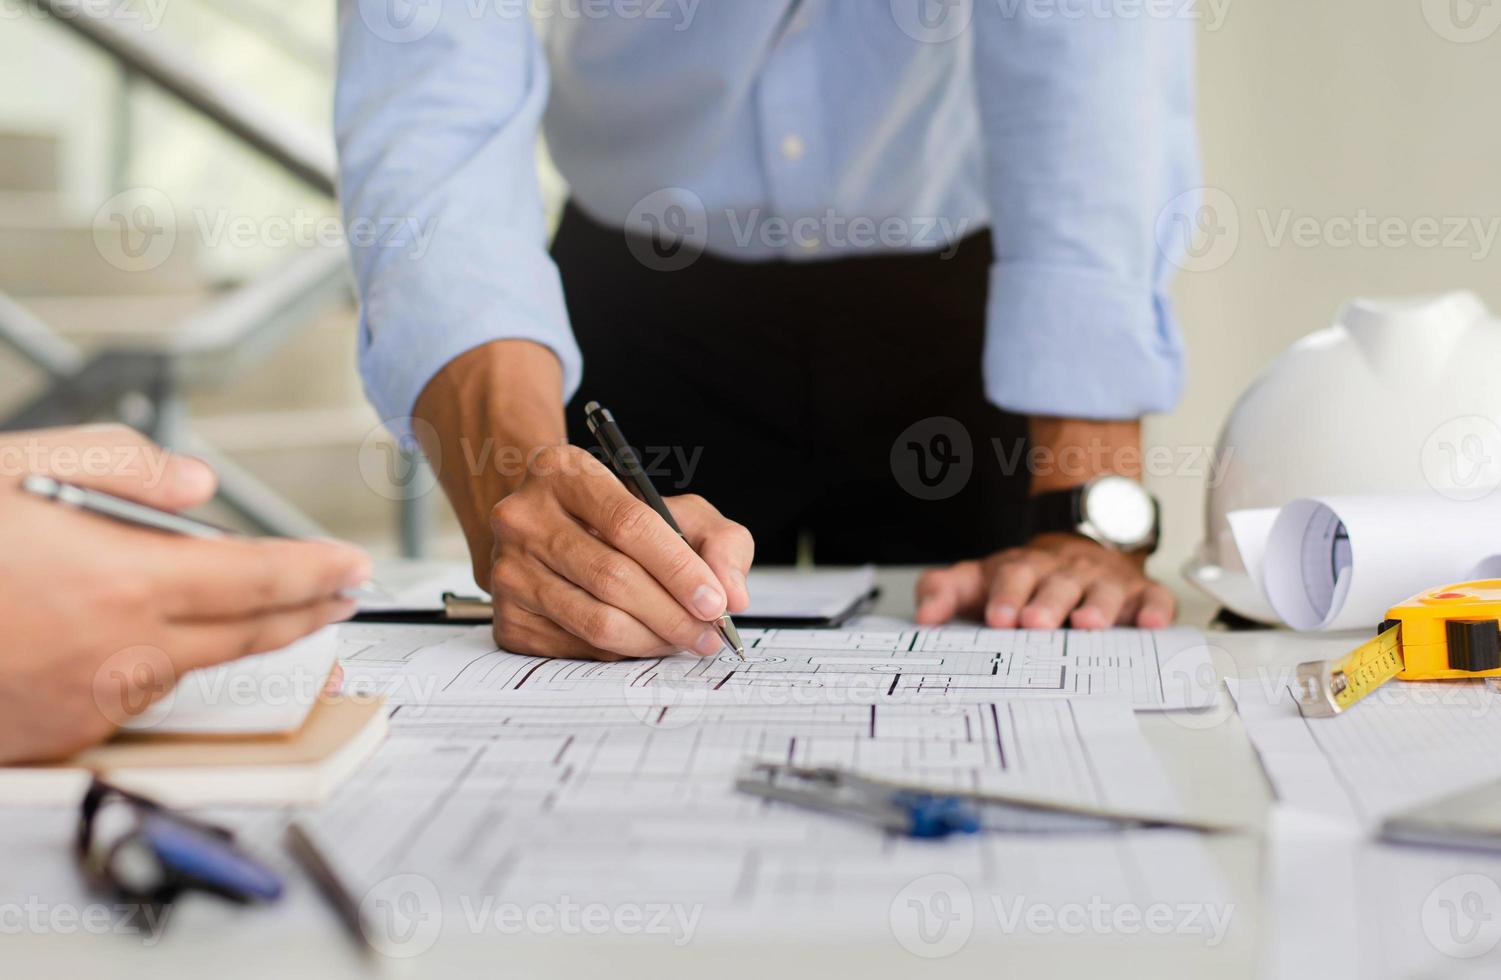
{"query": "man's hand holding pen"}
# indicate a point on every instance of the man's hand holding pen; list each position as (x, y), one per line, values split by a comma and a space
(578, 566)
(583, 569)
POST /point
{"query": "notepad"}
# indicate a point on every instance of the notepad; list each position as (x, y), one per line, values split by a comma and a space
(258, 695)
(300, 767)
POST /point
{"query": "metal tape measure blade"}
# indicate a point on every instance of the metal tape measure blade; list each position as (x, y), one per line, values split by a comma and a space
(1327, 687)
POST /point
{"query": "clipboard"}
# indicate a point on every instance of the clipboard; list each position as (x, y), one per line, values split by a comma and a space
(461, 610)
(859, 607)
(456, 610)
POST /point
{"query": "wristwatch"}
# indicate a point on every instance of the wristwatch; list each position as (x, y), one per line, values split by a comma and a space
(1116, 511)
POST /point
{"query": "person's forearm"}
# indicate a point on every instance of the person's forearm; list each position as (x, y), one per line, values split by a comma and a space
(1068, 452)
(487, 412)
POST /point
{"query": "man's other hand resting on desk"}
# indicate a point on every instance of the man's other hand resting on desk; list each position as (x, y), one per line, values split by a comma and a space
(101, 618)
(1058, 578)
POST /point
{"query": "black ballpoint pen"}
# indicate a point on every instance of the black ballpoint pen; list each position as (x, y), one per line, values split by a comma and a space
(627, 465)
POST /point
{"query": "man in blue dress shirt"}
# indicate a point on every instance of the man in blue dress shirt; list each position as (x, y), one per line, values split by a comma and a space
(867, 275)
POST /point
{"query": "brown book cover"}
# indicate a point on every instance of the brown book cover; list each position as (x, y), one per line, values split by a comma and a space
(303, 766)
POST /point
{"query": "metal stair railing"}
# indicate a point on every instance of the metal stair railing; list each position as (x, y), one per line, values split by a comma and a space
(233, 333)
(280, 139)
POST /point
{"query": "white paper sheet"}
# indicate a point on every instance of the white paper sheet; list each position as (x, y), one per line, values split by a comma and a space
(511, 785)
(267, 693)
(1342, 907)
(1340, 904)
(1154, 670)
(1341, 562)
(1251, 529)
(528, 781)
(1405, 744)
(527, 803)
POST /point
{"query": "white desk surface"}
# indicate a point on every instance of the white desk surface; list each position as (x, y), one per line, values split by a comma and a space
(1210, 758)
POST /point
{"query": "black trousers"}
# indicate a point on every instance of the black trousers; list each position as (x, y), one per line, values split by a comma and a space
(840, 399)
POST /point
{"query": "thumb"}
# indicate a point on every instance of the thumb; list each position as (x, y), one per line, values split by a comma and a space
(118, 460)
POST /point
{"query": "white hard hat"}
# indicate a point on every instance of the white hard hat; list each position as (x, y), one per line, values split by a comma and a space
(1400, 395)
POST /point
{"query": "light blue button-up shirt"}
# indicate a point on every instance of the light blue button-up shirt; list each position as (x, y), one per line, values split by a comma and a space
(796, 129)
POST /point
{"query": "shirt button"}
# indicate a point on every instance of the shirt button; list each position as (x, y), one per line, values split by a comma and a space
(793, 147)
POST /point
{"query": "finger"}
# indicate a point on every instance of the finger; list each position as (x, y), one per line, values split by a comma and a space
(943, 593)
(204, 643)
(1011, 586)
(517, 630)
(601, 626)
(1102, 605)
(727, 547)
(601, 502)
(616, 580)
(172, 482)
(118, 460)
(1158, 607)
(1055, 598)
(241, 577)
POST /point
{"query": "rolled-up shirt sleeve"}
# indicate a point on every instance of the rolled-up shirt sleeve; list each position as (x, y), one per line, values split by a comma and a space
(1090, 148)
(436, 116)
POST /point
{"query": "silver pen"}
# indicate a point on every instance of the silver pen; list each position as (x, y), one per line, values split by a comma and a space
(142, 515)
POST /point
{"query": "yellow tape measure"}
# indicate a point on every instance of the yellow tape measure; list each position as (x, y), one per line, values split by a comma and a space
(1444, 634)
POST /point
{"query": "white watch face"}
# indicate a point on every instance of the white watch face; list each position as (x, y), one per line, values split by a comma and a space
(1120, 510)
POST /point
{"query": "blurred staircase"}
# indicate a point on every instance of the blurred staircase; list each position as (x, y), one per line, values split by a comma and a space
(296, 420)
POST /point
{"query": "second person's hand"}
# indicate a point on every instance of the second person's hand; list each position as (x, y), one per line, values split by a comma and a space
(103, 618)
(1055, 580)
(583, 569)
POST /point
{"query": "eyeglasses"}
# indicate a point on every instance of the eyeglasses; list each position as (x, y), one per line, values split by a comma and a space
(150, 855)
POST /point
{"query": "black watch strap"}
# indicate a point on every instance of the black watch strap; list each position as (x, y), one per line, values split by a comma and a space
(1053, 512)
